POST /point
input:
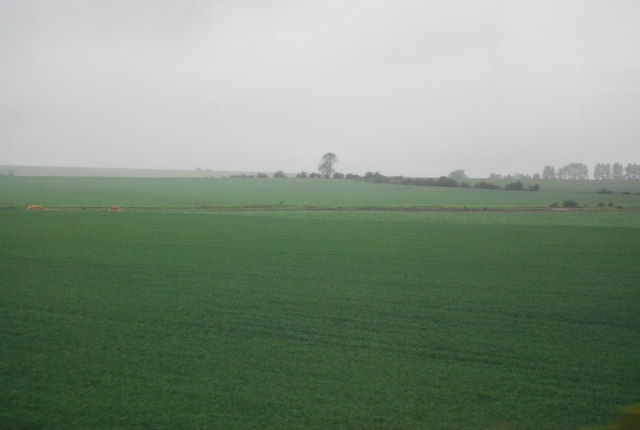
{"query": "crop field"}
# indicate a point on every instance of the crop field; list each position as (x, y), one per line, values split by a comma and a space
(321, 319)
(207, 193)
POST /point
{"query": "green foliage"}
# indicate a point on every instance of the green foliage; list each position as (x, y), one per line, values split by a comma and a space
(574, 171)
(326, 166)
(617, 171)
(458, 175)
(632, 172)
(377, 178)
(486, 185)
(279, 174)
(602, 171)
(444, 181)
(570, 204)
(514, 186)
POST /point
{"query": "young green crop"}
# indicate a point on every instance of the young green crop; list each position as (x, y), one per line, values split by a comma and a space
(168, 320)
(212, 193)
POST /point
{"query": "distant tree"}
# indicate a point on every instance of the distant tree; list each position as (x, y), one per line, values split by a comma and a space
(376, 177)
(12, 172)
(514, 186)
(465, 184)
(536, 176)
(338, 175)
(351, 176)
(486, 186)
(602, 171)
(632, 171)
(495, 176)
(262, 175)
(326, 164)
(534, 187)
(561, 173)
(458, 175)
(314, 175)
(549, 172)
(617, 171)
(573, 171)
(597, 171)
(570, 204)
(302, 174)
(279, 174)
(444, 181)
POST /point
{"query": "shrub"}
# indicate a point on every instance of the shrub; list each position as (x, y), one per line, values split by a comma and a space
(376, 177)
(444, 181)
(534, 187)
(604, 191)
(487, 186)
(514, 186)
(570, 204)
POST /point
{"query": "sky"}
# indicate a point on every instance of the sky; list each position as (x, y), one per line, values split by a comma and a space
(404, 87)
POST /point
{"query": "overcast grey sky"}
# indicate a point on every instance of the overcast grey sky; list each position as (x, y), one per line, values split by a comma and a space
(411, 87)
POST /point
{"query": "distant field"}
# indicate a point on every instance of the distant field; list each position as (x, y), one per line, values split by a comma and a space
(111, 172)
(318, 320)
(224, 192)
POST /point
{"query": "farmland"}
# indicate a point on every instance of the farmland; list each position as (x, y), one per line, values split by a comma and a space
(190, 193)
(313, 319)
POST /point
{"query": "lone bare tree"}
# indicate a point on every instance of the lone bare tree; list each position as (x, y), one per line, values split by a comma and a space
(326, 164)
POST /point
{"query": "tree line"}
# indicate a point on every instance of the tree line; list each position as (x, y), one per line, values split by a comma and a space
(457, 178)
(601, 172)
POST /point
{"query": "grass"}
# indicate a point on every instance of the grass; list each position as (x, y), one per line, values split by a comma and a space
(316, 320)
(212, 193)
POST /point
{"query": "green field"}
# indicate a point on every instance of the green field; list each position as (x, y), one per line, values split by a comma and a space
(311, 319)
(224, 192)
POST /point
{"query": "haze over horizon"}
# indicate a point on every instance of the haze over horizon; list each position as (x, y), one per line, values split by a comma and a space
(415, 88)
